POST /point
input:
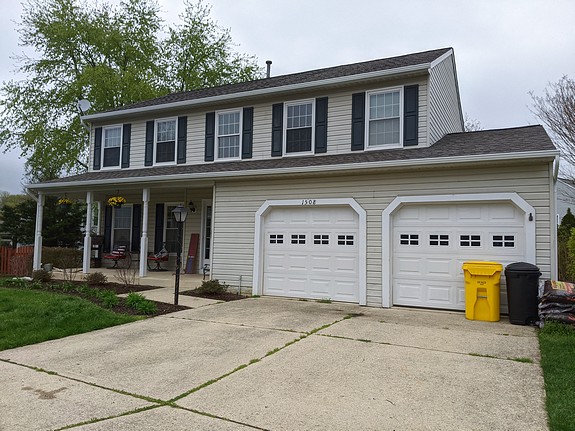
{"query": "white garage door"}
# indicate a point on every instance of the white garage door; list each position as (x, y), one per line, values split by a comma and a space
(312, 252)
(431, 242)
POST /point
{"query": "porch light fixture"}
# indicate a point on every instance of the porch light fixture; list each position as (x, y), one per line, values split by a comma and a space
(192, 207)
(180, 213)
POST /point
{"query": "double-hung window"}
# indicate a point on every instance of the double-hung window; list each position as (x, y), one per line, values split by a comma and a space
(112, 146)
(166, 140)
(299, 118)
(228, 130)
(384, 126)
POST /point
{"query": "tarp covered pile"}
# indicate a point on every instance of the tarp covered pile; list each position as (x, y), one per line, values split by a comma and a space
(557, 301)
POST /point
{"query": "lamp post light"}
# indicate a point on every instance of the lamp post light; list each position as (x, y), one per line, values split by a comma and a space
(180, 213)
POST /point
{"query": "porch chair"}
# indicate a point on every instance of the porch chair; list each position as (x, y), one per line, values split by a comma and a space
(118, 254)
(158, 258)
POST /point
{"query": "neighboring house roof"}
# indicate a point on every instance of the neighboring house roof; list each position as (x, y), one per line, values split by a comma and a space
(454, 147)
(423, 59)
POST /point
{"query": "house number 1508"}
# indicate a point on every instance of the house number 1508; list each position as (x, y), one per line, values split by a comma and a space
(308, 202)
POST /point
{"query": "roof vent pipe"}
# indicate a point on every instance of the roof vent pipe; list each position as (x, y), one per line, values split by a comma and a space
(269, 64)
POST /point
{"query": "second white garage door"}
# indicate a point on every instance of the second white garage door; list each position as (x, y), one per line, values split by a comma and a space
(432, 241)
(312, 252)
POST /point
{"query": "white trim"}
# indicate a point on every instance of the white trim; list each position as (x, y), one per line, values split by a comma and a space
(217, 136)
(400, 201)
(268, 205)
(172, 162)
(38, 232)
(399, 144)
(144, 233)
(87, 252)
(473, 159)
(440, 59)
(103, 146)
(285, 128)
(205, 204)
(264, 91)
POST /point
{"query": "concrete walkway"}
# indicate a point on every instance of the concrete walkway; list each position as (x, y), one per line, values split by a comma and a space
(277, 364)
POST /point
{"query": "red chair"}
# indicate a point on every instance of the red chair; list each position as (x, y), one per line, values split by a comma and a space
(158, 258)
(118, 254)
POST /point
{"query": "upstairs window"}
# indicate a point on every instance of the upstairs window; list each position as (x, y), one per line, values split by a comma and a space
(112, 146)
(384, 127)
(166, 141)
(298, 127)
(228, 129)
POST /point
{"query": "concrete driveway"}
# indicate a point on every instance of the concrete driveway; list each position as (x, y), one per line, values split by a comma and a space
(276, 364)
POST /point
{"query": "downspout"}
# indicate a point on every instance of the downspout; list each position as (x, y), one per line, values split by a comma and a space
(554, 216)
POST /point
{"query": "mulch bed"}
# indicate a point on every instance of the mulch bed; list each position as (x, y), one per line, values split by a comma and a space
(120, 288)
(226, 296)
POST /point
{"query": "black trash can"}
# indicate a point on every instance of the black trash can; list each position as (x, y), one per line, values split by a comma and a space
(522, 290)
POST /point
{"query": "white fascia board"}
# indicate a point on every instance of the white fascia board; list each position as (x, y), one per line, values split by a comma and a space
(306, 169)
(260, 92)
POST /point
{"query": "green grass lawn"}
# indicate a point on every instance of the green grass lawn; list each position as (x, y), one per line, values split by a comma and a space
(557, 343)
(32, 316)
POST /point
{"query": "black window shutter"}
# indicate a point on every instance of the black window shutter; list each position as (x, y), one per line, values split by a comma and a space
(410, 114)
(149, 153)
(97, 147)
(247, 132)
(126, 139)
(321, 125)
(182, 137)
(357, 121)
(159, 233)
(277, 129)
(136, 227)
(107, 229)
(210, 136)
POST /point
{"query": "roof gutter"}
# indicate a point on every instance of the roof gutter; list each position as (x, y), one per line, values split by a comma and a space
(551, 154)
(259, 92)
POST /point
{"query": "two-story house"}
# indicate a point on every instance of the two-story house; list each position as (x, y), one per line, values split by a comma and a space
(354, 183)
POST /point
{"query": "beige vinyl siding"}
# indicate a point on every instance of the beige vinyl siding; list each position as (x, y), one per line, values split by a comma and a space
(238, 201)
(444, 103)
(339, 123)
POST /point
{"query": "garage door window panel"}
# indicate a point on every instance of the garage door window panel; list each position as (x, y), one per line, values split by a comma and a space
(298, 239)
(345, 239)
(503, 241)
(470, 240)
(321, 239)
(409, 239)
(276, 238)
(439, 240)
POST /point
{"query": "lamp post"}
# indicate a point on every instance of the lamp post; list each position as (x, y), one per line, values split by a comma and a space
(180, 213)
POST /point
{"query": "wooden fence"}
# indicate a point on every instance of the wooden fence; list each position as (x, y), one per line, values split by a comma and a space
(16, 261)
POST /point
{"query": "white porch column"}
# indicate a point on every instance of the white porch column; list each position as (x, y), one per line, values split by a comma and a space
(87, 235)
(144, 238)
(38, 232)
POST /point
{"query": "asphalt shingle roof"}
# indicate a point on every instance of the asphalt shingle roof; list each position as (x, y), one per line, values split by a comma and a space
(296, 78)
(500, 141)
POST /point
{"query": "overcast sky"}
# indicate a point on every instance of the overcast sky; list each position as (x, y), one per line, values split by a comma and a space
(503, 49)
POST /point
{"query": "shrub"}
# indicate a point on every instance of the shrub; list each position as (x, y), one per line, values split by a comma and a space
(212, 287)
(96, 279)
(42, 276)
(108, 298)
(138, 302)
(67, 259)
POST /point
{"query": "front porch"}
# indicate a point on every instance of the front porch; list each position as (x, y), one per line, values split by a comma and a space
(142, 226)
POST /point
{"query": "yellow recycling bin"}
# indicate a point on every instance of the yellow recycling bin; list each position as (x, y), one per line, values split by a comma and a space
(482, 290)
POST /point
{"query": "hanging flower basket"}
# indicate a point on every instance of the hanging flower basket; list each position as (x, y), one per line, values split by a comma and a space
(116, 201)
(64, 201)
